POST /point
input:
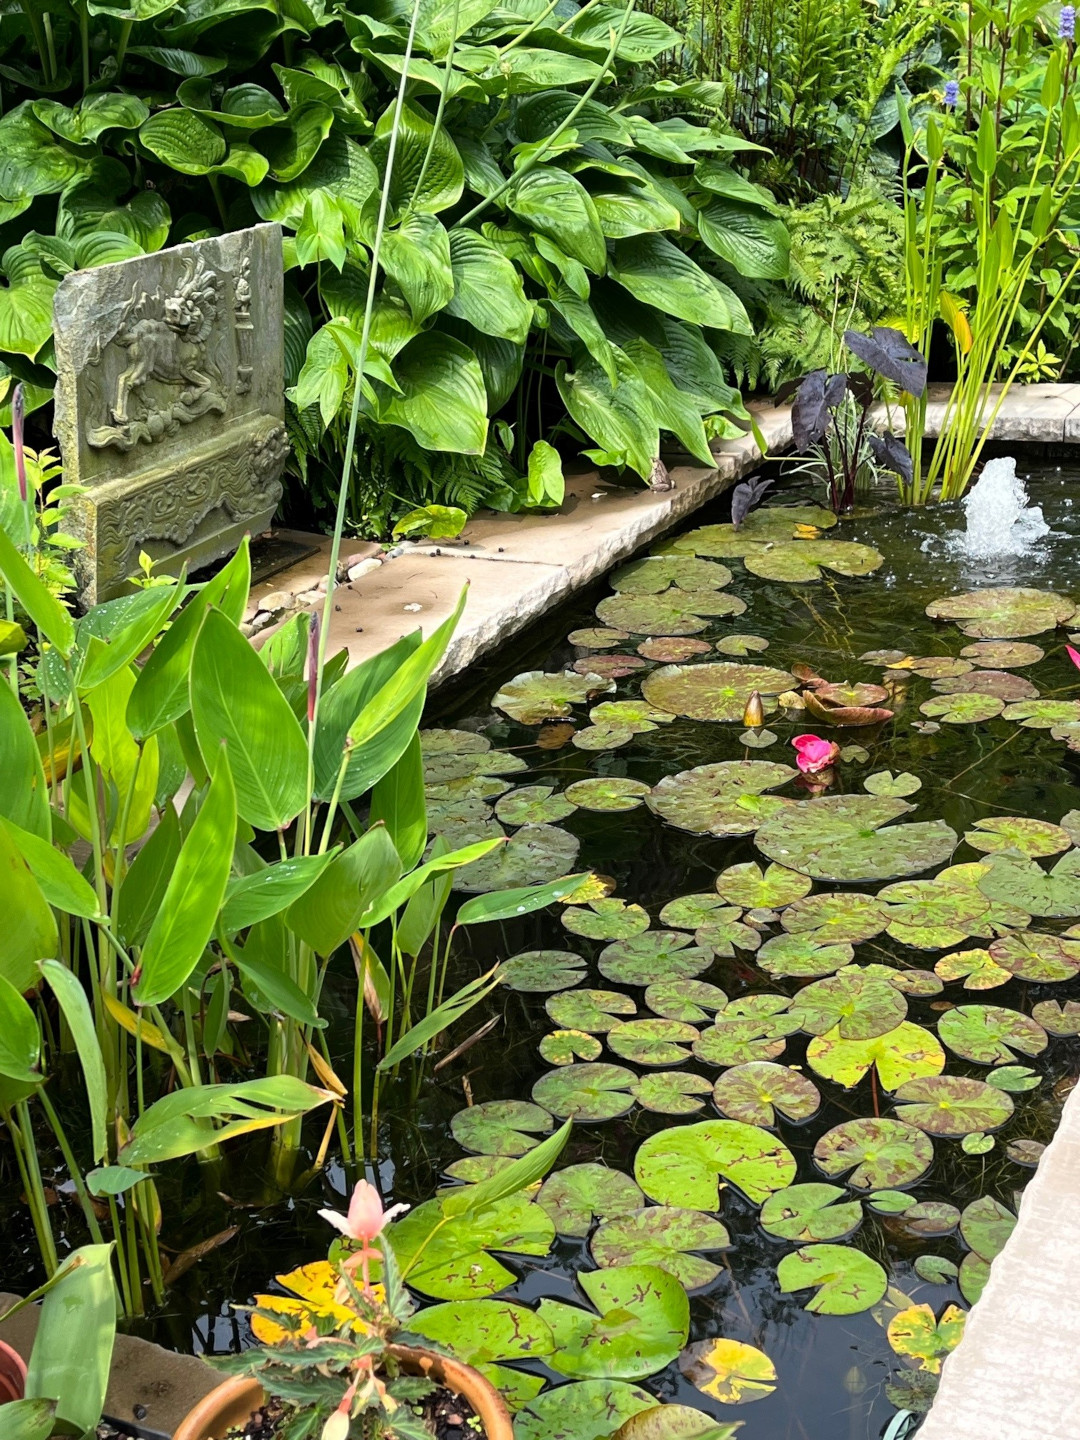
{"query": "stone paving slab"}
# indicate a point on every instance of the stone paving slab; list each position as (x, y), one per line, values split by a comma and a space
(1015, 1375)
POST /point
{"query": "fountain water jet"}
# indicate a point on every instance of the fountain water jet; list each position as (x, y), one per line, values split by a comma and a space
(999, 519)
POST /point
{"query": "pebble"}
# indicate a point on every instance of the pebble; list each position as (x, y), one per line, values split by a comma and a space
(276, 600)
(309, 597)
(363, 567)
(413, 607)
(259, 621)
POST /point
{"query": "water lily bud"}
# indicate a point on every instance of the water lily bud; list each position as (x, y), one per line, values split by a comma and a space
(754, 714)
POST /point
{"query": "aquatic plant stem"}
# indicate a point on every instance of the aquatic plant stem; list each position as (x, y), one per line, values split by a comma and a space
(72, 1165)
(35, 1189)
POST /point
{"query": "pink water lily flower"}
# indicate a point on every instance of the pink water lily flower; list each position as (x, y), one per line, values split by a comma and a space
(1074, 655)
(366, 1216)
(813, 754)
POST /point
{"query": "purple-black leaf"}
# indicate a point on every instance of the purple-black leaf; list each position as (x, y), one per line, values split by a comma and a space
(744, 497)
(887, 351)
(891, 453)
(810, 412)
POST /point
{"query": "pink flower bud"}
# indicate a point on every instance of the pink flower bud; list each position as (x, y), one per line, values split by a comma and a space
(813, 754)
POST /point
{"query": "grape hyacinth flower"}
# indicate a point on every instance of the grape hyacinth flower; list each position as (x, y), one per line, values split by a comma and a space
(1067, 23)
(952, 94)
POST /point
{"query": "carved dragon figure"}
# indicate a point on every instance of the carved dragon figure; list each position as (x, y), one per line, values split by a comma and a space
(169, 347)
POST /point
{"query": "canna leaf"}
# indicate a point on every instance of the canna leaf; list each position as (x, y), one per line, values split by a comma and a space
(72, 1000)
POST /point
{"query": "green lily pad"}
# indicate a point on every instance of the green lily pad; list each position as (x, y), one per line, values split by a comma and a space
(908, 982)
(929, 915)
(918, 1336)
(912, 1390)
(716, 691)
(841, 838)
(471, 1169)
(1002, 654)
(856, 1006)
(936, 1269)
(445, 771)
(539, 971)
(966, 707)
(587, 1092)
(586, 1410)
(534, 697)
(934, 667)
(747, 886)
(1003, 614)
(731, 1371)
(607, 793)
(1058, 1018)
(684, 1165)
(998, 683)
(662, 1235)
(483, 1332)
(741, 644)
(977, 1143)
(801, 561)
(1044, 714)
(841, 916)
(708, 799)
(846, 1281)
(884, 782)
(977, 969)
(878, 1153)
(890, 1202)
(758, 739)
(989, 1034)
(691, 1000)
(847, 696)
(810, 1213)
(607, 919)
(723, 937)
(652, 1042)
(1014, 1078)
(671, 1092)
(465, 821)
(1041, 959)
(637, 713)
(580, 1194)
(564, 1047)
(594, 1011)
(639, 1325)
(952, 1105)
(986, 1224)
(690, 911)
(905, 1053)
(1034, 838)
(674, 1422)
(768, 523)
(449, 1259)
(534, 855)
(1027, 886)
(740, 1034)
(802, 956)
(928, 1219)
(674, 612)
(500, 1127)
(656, 955)
(656, 572)
(452, 742)
(672, 649)
(604, 737)
(597, 637)
(756, 1092)
(533, 805)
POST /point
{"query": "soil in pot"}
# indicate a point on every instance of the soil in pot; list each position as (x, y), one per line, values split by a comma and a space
(447, 1415)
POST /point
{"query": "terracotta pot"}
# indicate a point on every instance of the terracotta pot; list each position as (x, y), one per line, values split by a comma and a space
(12, 1374)
(231, 1403)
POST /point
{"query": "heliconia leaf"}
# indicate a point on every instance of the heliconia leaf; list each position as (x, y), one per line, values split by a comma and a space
(72, 1000)
(61, 884)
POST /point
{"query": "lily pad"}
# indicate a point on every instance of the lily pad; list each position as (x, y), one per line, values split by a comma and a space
(918, 1336)
(713, 799)
(738, 1036)
(1058, 1018)
(691, 1000)
(986, 1224)
(936, 1269)
(1027, 886)
(1014, 1078)
(564, 1047)
(841, 838)
(587, 1092)
(606, 919)
(1025, 1151)
(449, 1259)
(652, 1042)
(905, 1053)
(723, 937)
(607, 793)
(674, 612)
(674, 1422)
(452, 742)
(597, 637)
(1041, 959)
(611, 667)
(1003, 614)
(687, 912)
(846, 1281)
(1044, 714)
(603, 737)
(656, 572)
(672, 649)
(741, 644)
(847, 696)
(854, 1006)
(989, 1034)
(977, 1143)
(802, 956)
(989, 682)
(639, 1324)
(533, 805)
(500, 1127)
(483, 1332)
(840, 916)
(977, 969)
(671, 1092)
(540, 971)
(684, 1165)
(533, 855)
(714, 690)
(930, 915)
(878, 1153)
(729, 1370)
(594, 1011)
(1034, 838)
(581, 1194)
(810, 1213)
(769, 523)
(952, 1105)
(586, 1410)
(747, 886)
(534, 697)
(1003, 654)
(912, 1390)
(443, 768)
(656, 955)
(884, 782)
(662, 1235)
(756, 1092)
(929, 1219)
(933, 667)
(845, 716)
(801, 561)
(963, 708)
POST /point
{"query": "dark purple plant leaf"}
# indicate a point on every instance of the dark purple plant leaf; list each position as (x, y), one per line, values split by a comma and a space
(891, 453)
(887, 351)
(744, 497)
(861, 386)
(835, 387)
(810, 412)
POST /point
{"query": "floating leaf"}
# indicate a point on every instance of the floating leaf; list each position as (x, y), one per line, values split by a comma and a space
(683, 1166)
(500, 1127)
(977, 1143)
(933, 667)
(932, 915)
(884, 782)
(588, 1092)
(1041, 959)
(840, 838)
(538, 971)
(760, 527)
(636, 713)
(640, 1323)
(915, 1334)
(741, 644)
(563, 1047)
(594, 1011)
(802, 956)
(988, 1034)
(1003, 614)
(533, 805)
(483, 1332)
(1013, 832)
(810, 1212)
(661, 1235)
(842, 916)
(963, 708)
(580, 1194)
(672, 649)
(905, 1053)
(877, 1152)
(448, 1259)
(754, 1093)
(986, 1225)
(847, 696)
(952, 1105)
(976, 968)
(692, 1000)
(597, 637)
(845, 716)
(1025, 1151)
(535, 697)
(847, 1281)
(1053, 1016)
(674, 1422)
(714, 690)
(671, 1092)
(675, 612)
(1025, 885)
(712, 798)
(936, 1269)
(1014, 1077)
(974, 1273)
(652, 1042)
(656, 572)
(722, 937)
(1044, 714)
(1002, 654)
(998, 683)
(689, 911)
(611, 667)
(929, 1219)
(534, 855)
(584, 1411)
(607, 793)
(603, 737)
(745, 885)
(758, 739)
(656, 955)
(912, 1390)
(729, 1370)
(854, 1006)
(737, 1037)
(801, 561)
(606, 919)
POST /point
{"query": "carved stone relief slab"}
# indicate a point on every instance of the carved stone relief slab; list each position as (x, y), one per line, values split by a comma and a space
(169, 403)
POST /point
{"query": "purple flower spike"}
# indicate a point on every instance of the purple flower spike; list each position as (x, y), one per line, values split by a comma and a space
(18, 411)
(1067, 23)
(952, 94)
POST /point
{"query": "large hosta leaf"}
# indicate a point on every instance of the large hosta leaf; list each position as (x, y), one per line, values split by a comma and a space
(442, 169)
(751, 242)
(708, 798)
(416, 256)
(488, 292)
(560, 207)
(442, 402)
(26, 315)
(840, 838)
(641, 1323)
(716, 691)
(880, 1154)
(683, 1166)
(658, 273)
(1003, 614)
(845, 1280)
(618, 416)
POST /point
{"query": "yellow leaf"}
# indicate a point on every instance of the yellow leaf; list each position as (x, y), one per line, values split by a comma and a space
(956, 320)
(729, 1370)
(129, 1021)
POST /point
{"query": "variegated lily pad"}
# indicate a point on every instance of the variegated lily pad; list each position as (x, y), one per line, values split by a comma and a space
(691, 1000)
(1015, 832)
(854, 1005)
(811, 1213)
(652, 1042)
(1058, 1018)
(665, 1236)
(884, 782)
(606, 919)
(933, 667)
(539, 971)
(1044, 714)
(535, 697)
(656, 955)
(952, 1105)
(720, 799)
(607, 793)
(916, 1334)
(636, 713)
(756, 1092)
(729, 1370)
(603, 737)
(1024, 884)
(963, 708)
(1041, 959)
(597, 637)
(595, 1011)
(932, 916)
(580, 1194)
(500, 1127)
(989, 1034)
(847, 695)
(564, 1047)
(655, 573)
(723, 937)
(989, 682)
(684, 1165)
(533, 855)
(936, 1269)
(674, 612)
(714, 690)
(845, 1280)
(902, 1054)
(803, 956)
(747, 886)
(1003, 614)
(452, 742)
(610, 667)
(841, 838)
(687, 912)
(673, 649)
(586, 1093)
(878, 1153)
(585, 1410)
(741, 644)
(977, 969)
(740, 1033)
(842, 917)
(801, 561)
(1003, 654)
(986, 1225)
(671, 1092)
(1025, 1151)
(533, 805)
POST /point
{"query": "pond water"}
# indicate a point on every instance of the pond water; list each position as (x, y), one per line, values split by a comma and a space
(831, 1370)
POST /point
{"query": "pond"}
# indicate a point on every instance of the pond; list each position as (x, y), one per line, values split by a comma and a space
(963, 764)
